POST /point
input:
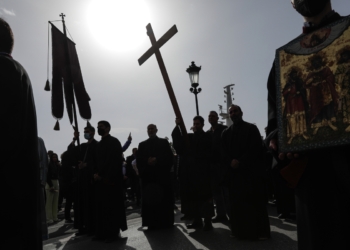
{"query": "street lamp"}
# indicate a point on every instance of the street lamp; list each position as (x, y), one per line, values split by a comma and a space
(193, 72)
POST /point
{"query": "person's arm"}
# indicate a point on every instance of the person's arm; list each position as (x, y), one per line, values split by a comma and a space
(127, 143)
(71, 145)
(48, 178)
(12, 95)
(134, 166)
(271, 101)
(178, 142)
(44, 161)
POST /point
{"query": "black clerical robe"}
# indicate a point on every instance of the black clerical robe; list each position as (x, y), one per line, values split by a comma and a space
(19, 158)
(322, 195)
(196, 173)
(157, 193)
(133, 178)
(217, 169)
(110, 208)
(249, 219)
(84, 214)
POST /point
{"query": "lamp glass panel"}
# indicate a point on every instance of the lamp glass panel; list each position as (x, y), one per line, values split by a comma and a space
(194, 77)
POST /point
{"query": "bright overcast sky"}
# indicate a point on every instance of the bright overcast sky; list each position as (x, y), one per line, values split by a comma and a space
(233, 40)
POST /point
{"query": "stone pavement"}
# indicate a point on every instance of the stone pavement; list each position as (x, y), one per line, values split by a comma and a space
(283, 237)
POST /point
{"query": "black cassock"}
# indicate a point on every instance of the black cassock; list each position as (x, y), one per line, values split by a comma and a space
(84, 214)
(195, 179)
(110, 210)
(19, 158)
(322, 195)
(157, 193)
(249, 218)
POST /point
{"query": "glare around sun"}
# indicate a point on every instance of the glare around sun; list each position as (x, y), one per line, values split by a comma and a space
(118, 25)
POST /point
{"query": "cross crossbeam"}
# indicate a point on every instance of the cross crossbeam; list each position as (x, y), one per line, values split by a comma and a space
(156, 45)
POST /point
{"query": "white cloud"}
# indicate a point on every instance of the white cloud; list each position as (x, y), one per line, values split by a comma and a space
(8, 12)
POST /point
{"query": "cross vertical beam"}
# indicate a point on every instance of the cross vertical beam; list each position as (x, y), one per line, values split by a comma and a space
(155, 50)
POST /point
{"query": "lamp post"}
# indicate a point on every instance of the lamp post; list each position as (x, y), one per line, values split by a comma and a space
(193, 72)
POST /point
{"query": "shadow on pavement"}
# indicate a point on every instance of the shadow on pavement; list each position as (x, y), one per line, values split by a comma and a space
(65, 229)
(86, 244)
(280, 224)
(168, 239)
(219, 239)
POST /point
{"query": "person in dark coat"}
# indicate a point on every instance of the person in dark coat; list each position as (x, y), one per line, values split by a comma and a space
(220, 193)
(68, 184)
(154, 160)
(84, 160)
(322, 193)
(181, 174)
(197, 168)
(44, 164)
(110, 210)
(133, 177)
(20, 156)
(243, 156)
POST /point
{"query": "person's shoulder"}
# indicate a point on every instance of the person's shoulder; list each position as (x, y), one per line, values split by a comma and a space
(10, 65)
(129, 157)
(163, 140)
(227, 129)
(222, 127)
(206, 134)
(115, 139)
(143, 143)
(249, 124)
(111, 139)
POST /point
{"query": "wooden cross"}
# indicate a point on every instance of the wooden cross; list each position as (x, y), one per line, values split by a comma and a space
(156, 45)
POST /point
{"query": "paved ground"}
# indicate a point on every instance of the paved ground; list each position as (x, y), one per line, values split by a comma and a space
(178, 238)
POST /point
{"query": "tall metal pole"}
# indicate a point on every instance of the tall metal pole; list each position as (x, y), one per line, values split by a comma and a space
(196, 103)
(196, 91)
(69, 72)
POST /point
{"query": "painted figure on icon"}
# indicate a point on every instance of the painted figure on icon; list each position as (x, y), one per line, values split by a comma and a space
(342, 79)
(323, 98)
(296, 105)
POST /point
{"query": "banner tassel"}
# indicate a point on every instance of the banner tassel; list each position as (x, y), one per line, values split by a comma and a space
(57, 126)
(47, 85)
(88, 124)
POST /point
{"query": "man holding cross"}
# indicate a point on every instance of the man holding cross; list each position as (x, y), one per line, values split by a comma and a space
(197, 164)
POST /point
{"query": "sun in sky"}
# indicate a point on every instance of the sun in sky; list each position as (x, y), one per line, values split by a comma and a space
(118, 25)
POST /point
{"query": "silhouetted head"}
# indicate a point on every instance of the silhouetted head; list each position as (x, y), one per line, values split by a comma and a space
(6, 40)
(198, 123)
(152, 130)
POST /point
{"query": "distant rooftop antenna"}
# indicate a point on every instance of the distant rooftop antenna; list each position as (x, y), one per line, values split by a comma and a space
(228, 94)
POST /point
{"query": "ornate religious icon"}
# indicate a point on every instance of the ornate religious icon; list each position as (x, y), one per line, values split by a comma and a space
(313, 89)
